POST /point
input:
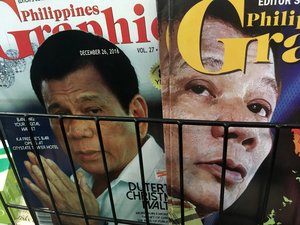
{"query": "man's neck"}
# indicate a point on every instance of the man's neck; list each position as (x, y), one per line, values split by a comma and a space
(99, 187)
(100, 182)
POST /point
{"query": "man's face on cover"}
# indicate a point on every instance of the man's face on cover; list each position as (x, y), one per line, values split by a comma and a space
(84, 92)
(189, 94)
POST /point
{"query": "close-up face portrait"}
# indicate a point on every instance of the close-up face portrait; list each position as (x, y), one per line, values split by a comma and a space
(84, 92)
(234, 96)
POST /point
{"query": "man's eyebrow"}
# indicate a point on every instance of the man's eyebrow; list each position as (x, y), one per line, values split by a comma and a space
(207, 61)
(211, 61)
(87, 98)
(266, 81)
(84, 98)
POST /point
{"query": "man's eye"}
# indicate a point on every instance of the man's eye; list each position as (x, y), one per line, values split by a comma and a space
(259, 109)
(201, 87)
(94, 111)
(200, 90)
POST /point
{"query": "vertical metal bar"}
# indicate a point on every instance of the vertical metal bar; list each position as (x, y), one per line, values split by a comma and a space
(170, 12)
(140, 155)
(61, 122)
(224, 158)
(97, 121)
(270, 177)
(181, 177)
(36, 152)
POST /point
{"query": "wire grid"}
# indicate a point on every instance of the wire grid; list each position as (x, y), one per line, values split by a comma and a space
(276, 127)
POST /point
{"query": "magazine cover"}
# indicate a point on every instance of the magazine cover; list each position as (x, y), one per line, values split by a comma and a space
(234, 61)
(62, 64)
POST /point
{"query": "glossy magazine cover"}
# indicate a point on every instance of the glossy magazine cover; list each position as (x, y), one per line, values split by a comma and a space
(84, 58)
(231, 61)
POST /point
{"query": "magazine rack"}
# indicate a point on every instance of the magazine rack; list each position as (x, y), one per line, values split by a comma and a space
(276, 128)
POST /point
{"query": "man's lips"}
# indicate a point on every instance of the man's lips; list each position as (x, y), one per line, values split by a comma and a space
(234, 174)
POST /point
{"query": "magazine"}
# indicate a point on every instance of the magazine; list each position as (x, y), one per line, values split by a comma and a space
(64, 66)
(225, 65)
(11, 194)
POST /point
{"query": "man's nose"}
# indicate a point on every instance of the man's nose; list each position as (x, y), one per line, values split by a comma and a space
(78, 128)
(246, 136)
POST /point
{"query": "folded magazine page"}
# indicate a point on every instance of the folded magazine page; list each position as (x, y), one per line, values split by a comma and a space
(231, 63)
(75, 75)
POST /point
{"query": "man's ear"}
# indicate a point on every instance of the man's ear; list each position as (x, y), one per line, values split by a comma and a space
(138, 108)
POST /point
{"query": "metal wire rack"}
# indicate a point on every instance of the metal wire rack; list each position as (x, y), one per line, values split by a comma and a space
(276, 129)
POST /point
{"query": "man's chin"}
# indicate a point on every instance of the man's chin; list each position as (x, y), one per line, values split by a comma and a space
(209, 204)
(206, 209)
(92, 169)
